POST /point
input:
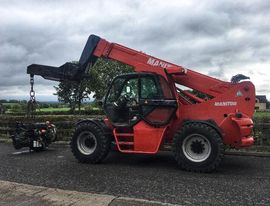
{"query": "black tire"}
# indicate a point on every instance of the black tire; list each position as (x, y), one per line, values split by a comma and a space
(198, 147)
(14, 142)
(93, 148)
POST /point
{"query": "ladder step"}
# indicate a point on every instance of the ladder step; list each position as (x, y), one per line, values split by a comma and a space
(124, 134)
(126, 143)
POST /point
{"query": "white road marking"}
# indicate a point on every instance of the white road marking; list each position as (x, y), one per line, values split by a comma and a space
(20, 152)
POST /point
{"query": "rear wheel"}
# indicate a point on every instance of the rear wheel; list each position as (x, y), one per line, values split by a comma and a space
(198, 147)
(89, 144)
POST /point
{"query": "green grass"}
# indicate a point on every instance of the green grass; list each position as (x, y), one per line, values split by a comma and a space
(62, 109)
(51, 109)
(262, 115)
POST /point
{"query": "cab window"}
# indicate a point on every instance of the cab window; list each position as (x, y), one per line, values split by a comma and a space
(149, 88)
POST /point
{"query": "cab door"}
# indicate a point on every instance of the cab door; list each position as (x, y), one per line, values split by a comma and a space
(140, 107)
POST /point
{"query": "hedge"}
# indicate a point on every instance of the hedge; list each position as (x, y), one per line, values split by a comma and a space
(65, 125)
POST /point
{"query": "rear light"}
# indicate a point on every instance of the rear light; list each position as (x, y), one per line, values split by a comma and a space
(43, 130)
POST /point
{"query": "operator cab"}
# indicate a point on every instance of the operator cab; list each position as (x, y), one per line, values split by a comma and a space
(139, 96)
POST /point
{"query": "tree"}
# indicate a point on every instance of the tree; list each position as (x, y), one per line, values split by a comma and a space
(72, 93)
(2, 109)
(102, 73)
(81, 92)
(13, 101)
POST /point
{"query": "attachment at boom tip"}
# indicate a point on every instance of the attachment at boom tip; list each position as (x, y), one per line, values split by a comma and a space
(68, 71)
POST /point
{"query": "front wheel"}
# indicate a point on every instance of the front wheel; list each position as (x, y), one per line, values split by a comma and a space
(198, 147)
(89, 144)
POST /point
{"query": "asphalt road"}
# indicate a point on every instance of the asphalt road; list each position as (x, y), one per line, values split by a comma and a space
(241, 180)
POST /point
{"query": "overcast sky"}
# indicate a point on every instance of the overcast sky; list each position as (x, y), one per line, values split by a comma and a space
(218, 38)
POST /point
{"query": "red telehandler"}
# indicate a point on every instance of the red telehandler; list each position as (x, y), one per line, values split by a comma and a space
(149, 109)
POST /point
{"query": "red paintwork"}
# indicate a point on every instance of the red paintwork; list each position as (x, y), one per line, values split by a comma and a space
(228, 99)
(160, 114)
(192, 96)
(147, 138)
(144, 139)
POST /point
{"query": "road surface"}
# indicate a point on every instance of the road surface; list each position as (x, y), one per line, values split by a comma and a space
(241, 180)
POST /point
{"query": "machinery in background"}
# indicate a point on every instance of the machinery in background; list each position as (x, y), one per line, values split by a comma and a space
(36, 136)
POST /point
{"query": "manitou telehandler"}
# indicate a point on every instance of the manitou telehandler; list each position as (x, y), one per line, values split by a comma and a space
(149, 108)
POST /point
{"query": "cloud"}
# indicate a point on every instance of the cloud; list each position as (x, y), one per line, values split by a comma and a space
(218, 38)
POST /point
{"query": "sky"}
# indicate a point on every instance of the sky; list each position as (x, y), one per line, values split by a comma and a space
(217, 38)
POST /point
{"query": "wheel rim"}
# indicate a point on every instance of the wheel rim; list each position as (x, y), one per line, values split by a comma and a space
(196, 148)
(87, 143)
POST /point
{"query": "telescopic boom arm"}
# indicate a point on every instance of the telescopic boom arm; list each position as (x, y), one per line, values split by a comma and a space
(97, 47)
